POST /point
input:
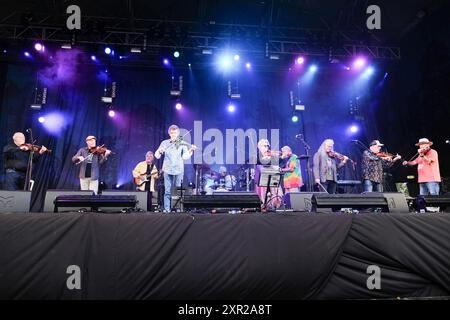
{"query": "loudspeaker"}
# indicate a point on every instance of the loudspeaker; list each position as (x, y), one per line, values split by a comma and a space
(300, 201)
(240, 200)
(51, 195)
(14, 201)
(96, 202)
(443, 202)
(141, 198)
(388, 202)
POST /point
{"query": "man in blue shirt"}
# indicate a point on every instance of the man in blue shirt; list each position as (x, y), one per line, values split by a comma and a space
(176, 151)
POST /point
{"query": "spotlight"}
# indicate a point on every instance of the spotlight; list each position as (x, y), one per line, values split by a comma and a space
(354, 129)
(178, 106)
(300, 60)
(41, 119)
(176, 54)
(370, 71)
(111, 113)
(189, 65)
(66, 46)
(359, 63)
(231, 108)
(236, 57)
(248, 65)
(313, 68)
(294, 119)
(93, 58)
(39, 47)
(135, 50)
(166, 62)
(108, 50)
(27, 54)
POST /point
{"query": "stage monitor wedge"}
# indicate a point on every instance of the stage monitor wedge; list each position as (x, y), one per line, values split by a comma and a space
(51, 195)
(241, 200)
(15, 201)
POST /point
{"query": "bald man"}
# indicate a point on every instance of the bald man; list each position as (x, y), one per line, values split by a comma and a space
(16, 156)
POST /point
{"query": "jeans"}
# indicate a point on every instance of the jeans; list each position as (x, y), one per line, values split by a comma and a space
(170, 181)
(370, 186)
(429, 188)
(14, 180)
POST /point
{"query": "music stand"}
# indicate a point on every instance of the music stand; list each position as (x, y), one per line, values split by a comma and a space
(268, 178)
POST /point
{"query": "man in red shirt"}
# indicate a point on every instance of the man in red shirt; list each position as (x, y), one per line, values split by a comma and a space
(427, 167)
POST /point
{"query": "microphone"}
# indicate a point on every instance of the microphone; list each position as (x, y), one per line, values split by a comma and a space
(299, 136)
(28, 130)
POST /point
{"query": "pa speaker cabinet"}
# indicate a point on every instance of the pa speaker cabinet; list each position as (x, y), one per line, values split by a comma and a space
(51, 195)
(141, 197)
(300, 201)
(396, 202)
(14, 201)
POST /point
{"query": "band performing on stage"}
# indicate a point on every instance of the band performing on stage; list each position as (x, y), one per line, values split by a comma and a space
(283, 167)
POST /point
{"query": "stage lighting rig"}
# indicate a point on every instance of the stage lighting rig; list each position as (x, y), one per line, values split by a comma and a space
(177, 86)
(233, 89)
(39, 95)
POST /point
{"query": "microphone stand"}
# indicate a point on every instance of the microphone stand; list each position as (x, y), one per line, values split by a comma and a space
(308, 165)
(26, 187)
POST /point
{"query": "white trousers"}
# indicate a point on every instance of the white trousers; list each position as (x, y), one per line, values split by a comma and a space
(88, 184)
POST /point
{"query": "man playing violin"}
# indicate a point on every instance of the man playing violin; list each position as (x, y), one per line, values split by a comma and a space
(16, 156)
(175, 152)
(427, 168)
(90, 160)
(145, 173)
(373, 164)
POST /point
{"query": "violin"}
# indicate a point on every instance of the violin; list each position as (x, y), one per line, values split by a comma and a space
(388, 155)
(99, 150)
(34, 147)
(272, 153)
(336, 155)
(424, 151)
(181, 142)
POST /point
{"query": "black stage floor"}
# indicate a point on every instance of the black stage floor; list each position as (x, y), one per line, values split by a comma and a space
(224, 256)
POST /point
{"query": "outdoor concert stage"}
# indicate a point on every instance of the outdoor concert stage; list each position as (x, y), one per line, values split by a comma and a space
(224, 256)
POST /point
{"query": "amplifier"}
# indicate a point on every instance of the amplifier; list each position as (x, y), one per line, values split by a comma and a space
(14, 201)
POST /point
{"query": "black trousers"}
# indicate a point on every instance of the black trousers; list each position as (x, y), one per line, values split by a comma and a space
(14, 180)
(331, 186)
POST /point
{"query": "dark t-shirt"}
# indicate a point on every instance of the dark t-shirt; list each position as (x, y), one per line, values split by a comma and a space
(17, 159)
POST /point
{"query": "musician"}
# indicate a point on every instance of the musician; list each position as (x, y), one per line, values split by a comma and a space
(89, 164)
(175, 151)
(427, 168)
(266, 159)
(224, 181)
(325, 166)
(373, 163)
(145, 174)
(292, 178)
(16, 156)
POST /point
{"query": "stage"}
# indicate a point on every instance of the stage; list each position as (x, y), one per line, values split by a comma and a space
(282, 256)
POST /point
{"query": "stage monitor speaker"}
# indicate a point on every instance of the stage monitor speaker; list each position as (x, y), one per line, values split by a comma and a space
(51, 195)
(300, 201)
(15, 201)
(141, 198)
(443, 202)
(95, 202)
(387, 202)
(235, 200)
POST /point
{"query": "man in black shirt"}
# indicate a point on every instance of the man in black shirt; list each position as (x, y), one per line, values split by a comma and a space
(16, 156)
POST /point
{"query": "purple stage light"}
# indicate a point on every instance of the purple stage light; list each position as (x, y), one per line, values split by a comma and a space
(300, 60)
(354, 129)
(38, 47)
(108, 50)
(41, 119)
(111, 113)
(236, 57)
(27, 54)
(166, 62)
(359, 63)
(248, 65)
(93, 58)
(55, 122)
(178, 106)
(231, 108)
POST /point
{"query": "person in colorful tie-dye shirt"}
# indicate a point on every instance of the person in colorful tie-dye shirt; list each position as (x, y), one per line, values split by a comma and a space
(292, 178)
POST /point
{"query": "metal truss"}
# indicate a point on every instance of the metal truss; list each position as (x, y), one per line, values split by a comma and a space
(189, 35)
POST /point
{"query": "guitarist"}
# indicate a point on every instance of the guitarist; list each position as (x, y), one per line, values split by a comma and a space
(144, 175)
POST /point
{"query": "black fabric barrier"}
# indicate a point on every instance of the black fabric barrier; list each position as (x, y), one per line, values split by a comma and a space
(254, 256)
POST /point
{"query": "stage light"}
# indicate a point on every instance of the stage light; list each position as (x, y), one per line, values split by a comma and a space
(313, 68)
(231, 108)
(236, 57)
(93, 58)
(166, 62)
(111, 113)
(354, 129)
(248, 65)
(359, 63)
(66, 46)
(300, 60)
(226, 62)
(41, 119)
(135, 50)
(189, 65)
(27, 54)
(39, 47)
(294, 119)
(108, 50)
(178, 106)
(176, 54)
(369, 71)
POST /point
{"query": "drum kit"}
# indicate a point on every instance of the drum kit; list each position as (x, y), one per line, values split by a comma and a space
(210, 181)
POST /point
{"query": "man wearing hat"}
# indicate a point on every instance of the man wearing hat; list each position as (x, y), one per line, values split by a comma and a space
(372, 166)
(89, 164)
(427, 168)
